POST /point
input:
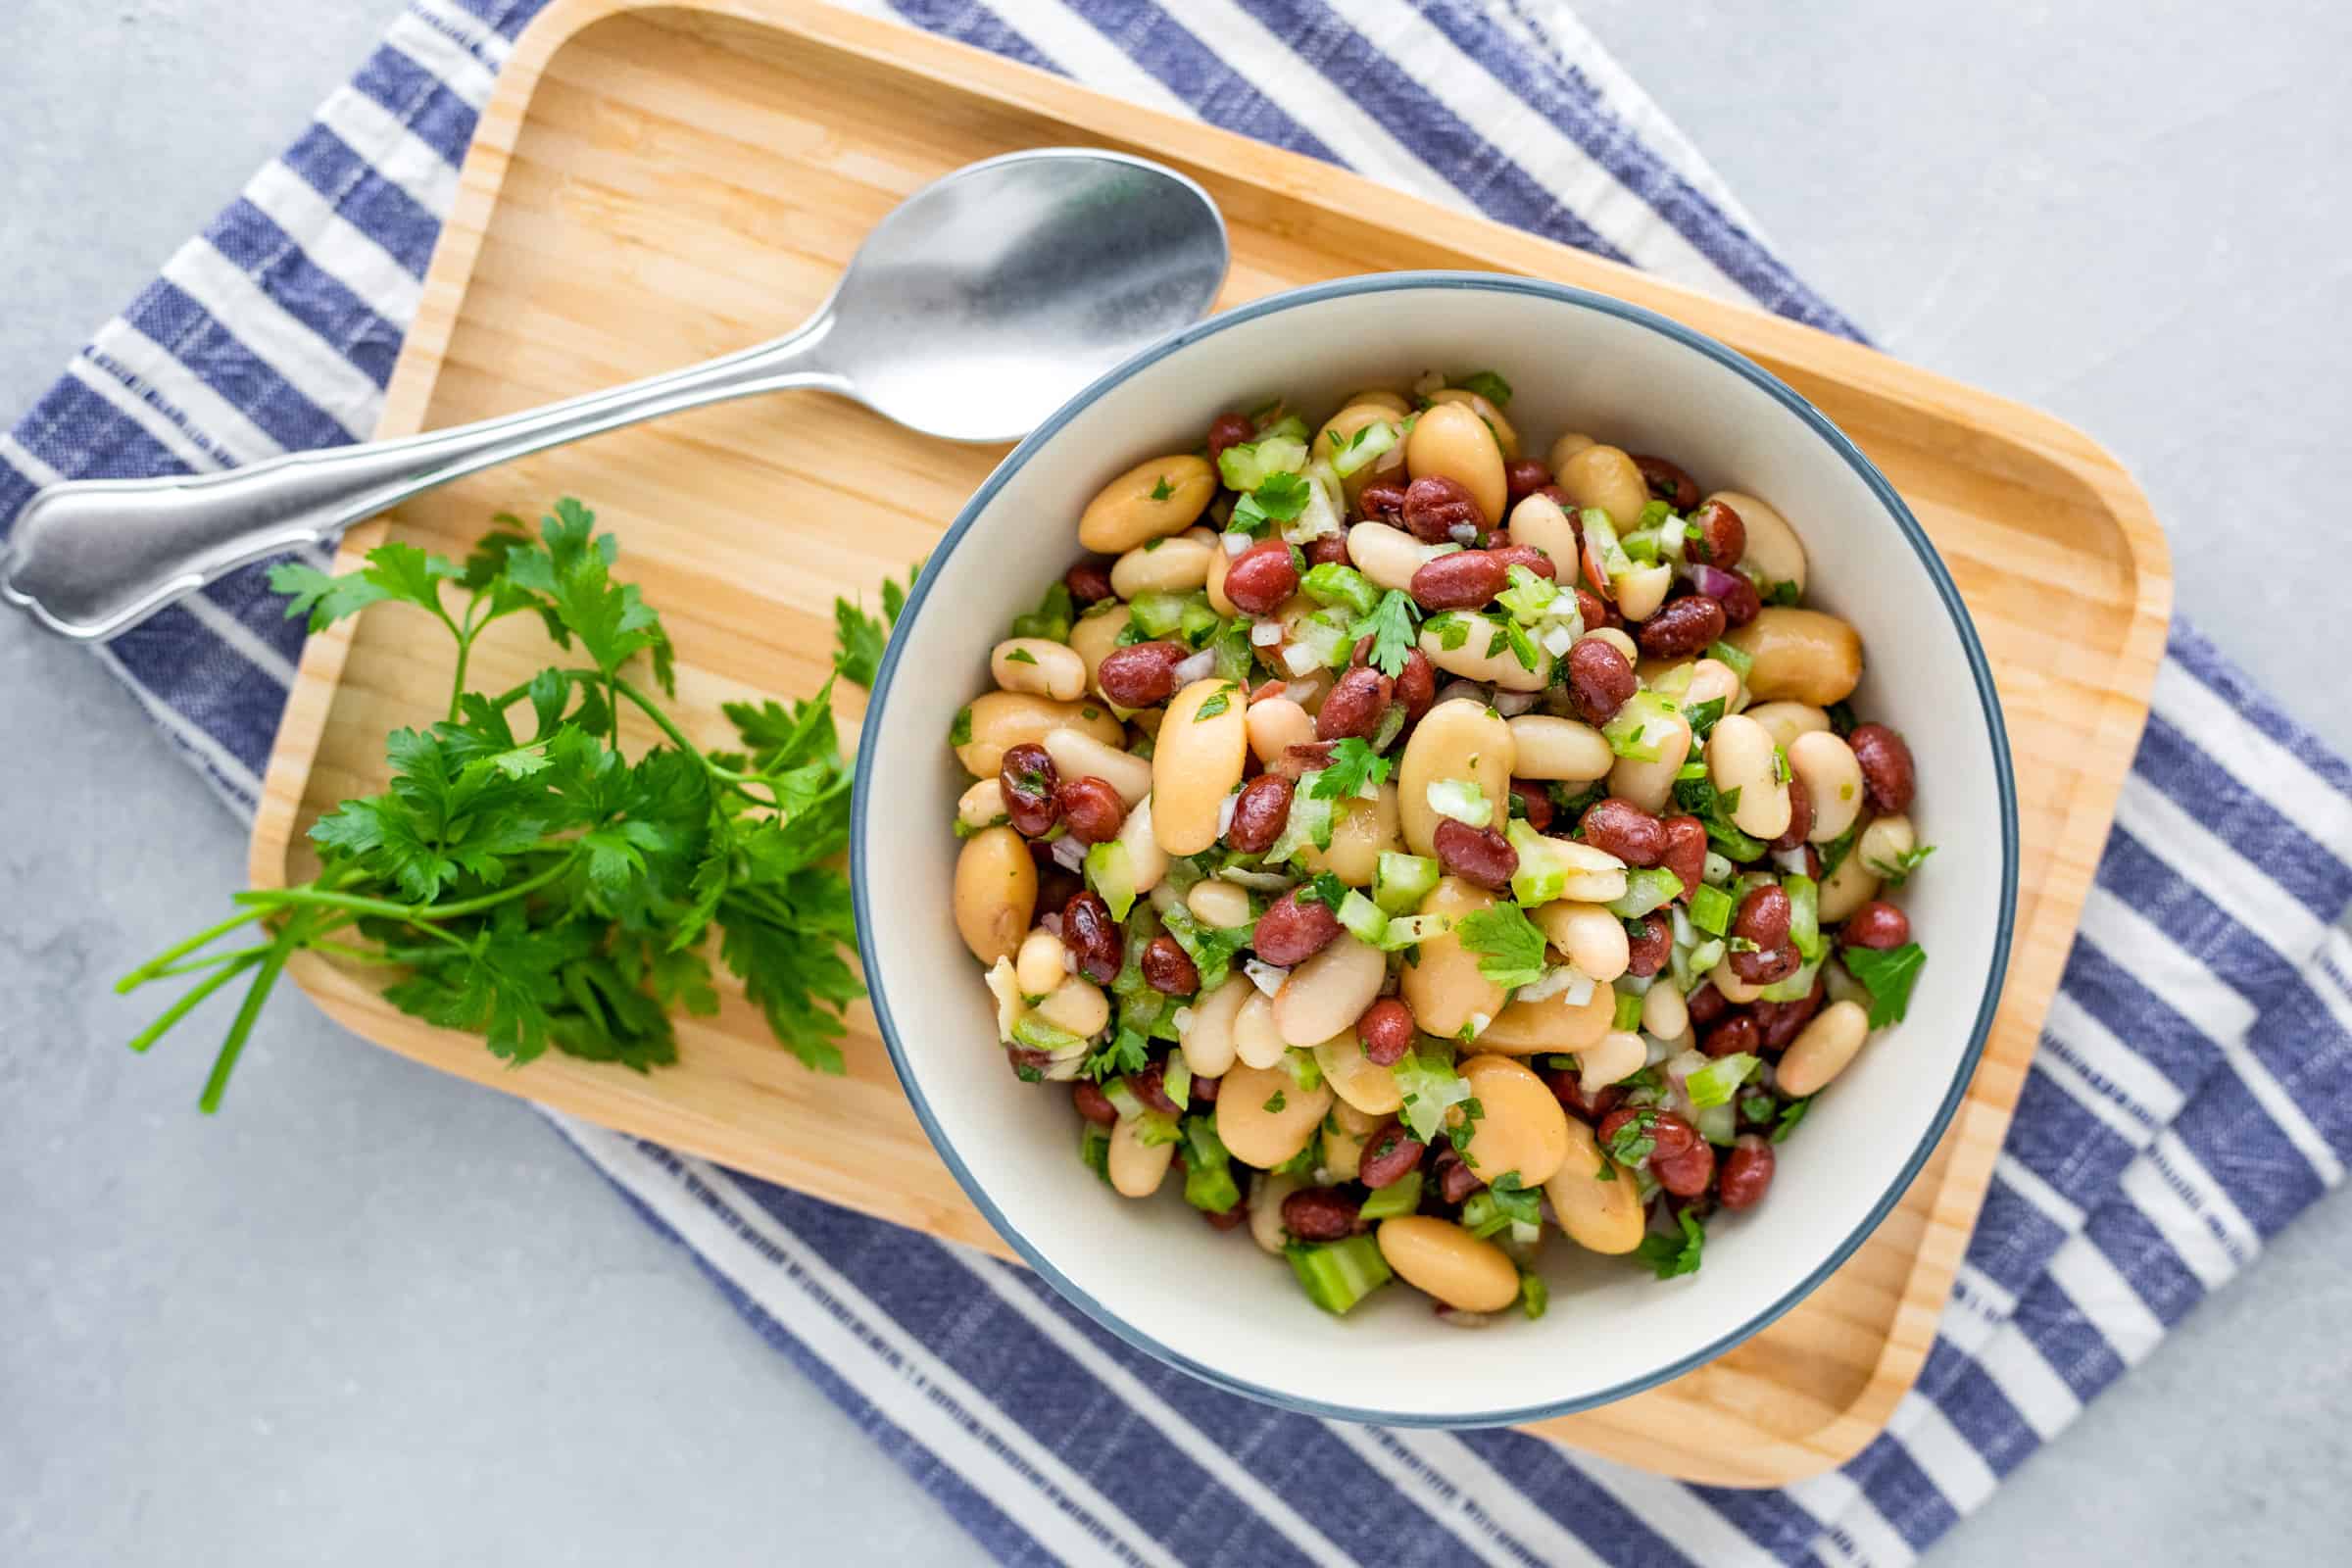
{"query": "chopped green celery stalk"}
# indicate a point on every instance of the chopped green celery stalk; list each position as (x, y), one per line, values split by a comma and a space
(1326, 509)
(1233, 651)
(1289, 427)
(1748, 882)
(1734, 845)
(1309, 823)
(1154, 1128)
(1391, 726)
(1336, 1275)
(1696, 767)
(1036, 1034)
(1647, 888)
(1634, 733)
(1629, 1011)
(1462, 799)
(1364, 918)
(1535, 1296)
(1711, 910)
(1431, 1088)
(1399, 882)
(1479, 1215)
(1123, 1098)
(1198, 624)
(1176, 1078)
(1804, 915)
(1718, 871)
(1718, 1125)
(1110, 872)
(1796, 987)
(1707, 955)
(1156, 612)
(1305, 1071)
(1544, 869)
(1207, 1169)
(1401, 1196)
(1741, 663)
(1720, 1079)
(1673, 539)
(1600, 538)
(1094, 1149)
(1330, 583)
(1653, 515)
(1642, 545)
(1362, 447)
(1244, 467)
(1406, 930)
(1530, 596)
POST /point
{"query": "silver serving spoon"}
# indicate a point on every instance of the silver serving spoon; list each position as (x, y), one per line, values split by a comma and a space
(972, 312)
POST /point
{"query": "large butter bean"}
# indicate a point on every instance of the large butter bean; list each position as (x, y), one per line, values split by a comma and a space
(1665, 1012)
(1196, 763)
(1445, 988)
(1587, 935)
(1039, 667)
(1440, 1257)
(1604, 477)
(1174, 566)
(1078, 755)
(1823, 1048)
(1386, 556)
(1803, 655)
(1276, 726)
(1451, 442)
(1144, 858)
(1256, 1038)
(1713, 680)
(1740, 757)
(1848, 888)
(1824, 764)
(1343, 1145)
(1567, 446)
(996, 893)
(1522, 1127)
(1135, 1168)
(1461, 740)
(1471, 660)
(1506, 438)
(1263, 1117)
(1001, 720)
(1553, 1024)
(1773, 550)
(1785, 721)
(1361, 1083)
(1615, 1056)
(1150, 501)
(1388, 465)
(1077, 1005)
(1641, 591)
(1209, 1040)
(1538, 522)
(1329, 992)
(1095, 638)
(1597, 1201)
(1361, 831)
(1651, 785)
(1564, 749)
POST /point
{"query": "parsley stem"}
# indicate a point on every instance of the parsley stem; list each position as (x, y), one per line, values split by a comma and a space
(344, 950)
(209, 961)
(240, 1029)
(189, 1001)
(652, 711)
(419, 915)
(156, 965)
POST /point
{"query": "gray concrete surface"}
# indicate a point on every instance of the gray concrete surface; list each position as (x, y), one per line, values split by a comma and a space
(372, 1315)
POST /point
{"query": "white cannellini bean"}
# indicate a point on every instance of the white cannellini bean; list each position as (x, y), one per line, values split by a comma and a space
(1256, 1040)
(1620, 1055)
(1135, 1168)
(1038, 665)
(1665, 1012)
(1077, 754)
(1144, 858)
(1740, 757)
(1824, 764)
(1038, 966)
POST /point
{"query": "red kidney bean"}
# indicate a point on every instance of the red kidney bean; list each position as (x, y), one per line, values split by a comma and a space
(1229, 430)
(1667, 480)
(1887, 771)
(1595, 610)
(1141, 675)
(1093, 937)
(1327, 550)
(1717, 537)
(1646, 951)
(1735, 1035)
(1746, 1172)
(1028, 1065)
(1534, 802)
(1568, 1089)
(1599, 679)
(1763, 916)
(1781, 1022)
(1318, 1214)
(1294, 930)
(1877, 924)
(1382, 501)
(1433, 507)
(1261, 577)
(1304, 758)
(1681, 628)
(1707, 1003)
(1669, 1135)
(1463, 581)
(1231, 1219)
(1416, 685)
(1089, 581)
(1740, 601)
(1528, 556)
(1386, 1031)
(1389, 1153)
(1523, 477)
(1030, 790)
(1260, 813)
(1800, 817)
(1091, 809)
(1685, 852)
(1093, 1105)
(1204, 1090)
(1168, 969)
(1478, 855)
(1056, 882)
(1768, 967)
(1621, 828)
(1455, 1179)
(1355, 706)
(1150, 1087)
(1686, 1175)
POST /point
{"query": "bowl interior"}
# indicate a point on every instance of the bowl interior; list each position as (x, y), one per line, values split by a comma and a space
(1153, 1271)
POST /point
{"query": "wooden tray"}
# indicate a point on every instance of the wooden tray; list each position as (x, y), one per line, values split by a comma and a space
(652, 184)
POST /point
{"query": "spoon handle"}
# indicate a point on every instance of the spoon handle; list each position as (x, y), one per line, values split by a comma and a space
(91, 557)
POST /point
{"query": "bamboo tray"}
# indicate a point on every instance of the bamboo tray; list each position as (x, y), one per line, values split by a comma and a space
(652, 184)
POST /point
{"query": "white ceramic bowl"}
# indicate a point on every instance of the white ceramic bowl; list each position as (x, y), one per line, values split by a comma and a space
(1211, 1302)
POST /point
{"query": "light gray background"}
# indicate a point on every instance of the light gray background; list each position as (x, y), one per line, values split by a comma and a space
(372, 1315)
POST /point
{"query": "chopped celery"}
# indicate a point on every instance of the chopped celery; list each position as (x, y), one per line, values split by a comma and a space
(1716, 1082)
(1051, 618)
(1309, 823)
(1629, 1013)
(1642, 545)
(1707, 955)
(1406, 930)
(1325, 510)
(1123, 1098)
(1176, 1078)
(1364, 918)
(1207, 1169)
(1601, 543)
(1431, 1088)
(1635, 732)
(1462, 799)
(1035, 1034)
(1244, 467)
(1650, 888)
(1796, 987)
(1399, 882)
(1804, 915)
(1198, 624)
(1233, 651)
(1154, 1128)
(1288, 428)
(1554, 868)
(1336, 1275)
(1711, 910)
(1330, 583)
(1401, 1196)
(1741, 663)
(1718, 1125)
(1362, 447)
(1653, 515)
(1535, 1296)
(1530, 596)
(1094, 1147)
(1718, 871)
(1156, 614)
(1110, 872)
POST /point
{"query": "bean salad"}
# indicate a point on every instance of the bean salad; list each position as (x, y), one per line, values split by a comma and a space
(1422, 846)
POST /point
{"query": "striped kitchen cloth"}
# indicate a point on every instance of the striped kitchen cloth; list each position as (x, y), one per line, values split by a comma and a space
(2192, 1093)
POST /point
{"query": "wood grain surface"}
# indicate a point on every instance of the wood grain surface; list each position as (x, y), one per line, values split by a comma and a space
(653, 184)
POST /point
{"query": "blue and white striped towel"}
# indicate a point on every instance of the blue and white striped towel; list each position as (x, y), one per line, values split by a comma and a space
(2194, 1092)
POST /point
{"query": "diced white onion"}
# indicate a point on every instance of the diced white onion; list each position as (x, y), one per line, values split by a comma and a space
(1050, 922)
(1197, 667)
(1557, 640)
(1069, 854)
(1478, 1024)
(1265, 976)
(1463, 533)
(1257, 881)
(1560, 978)
(1298, 691)
(1298, 659)
(1685, 935)
(1237, 543)
(1792, 862)
(1182, 1018)
(1265, 633)
(1510, 705)
(1225, 811)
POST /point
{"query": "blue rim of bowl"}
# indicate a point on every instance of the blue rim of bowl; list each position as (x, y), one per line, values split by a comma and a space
(862, 805)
